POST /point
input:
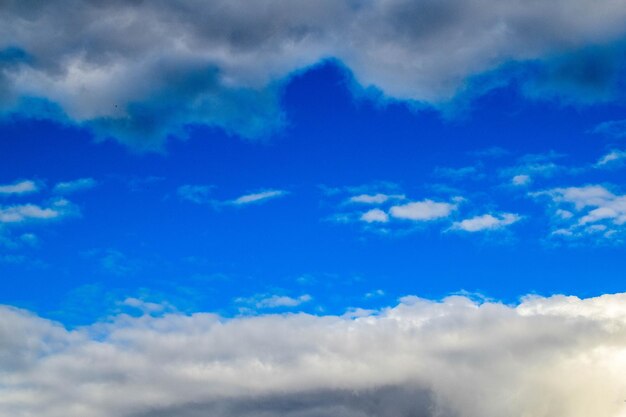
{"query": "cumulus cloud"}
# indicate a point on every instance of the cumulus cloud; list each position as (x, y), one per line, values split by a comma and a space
(140, 71)
(375, 216)
(545, 357)
(18, 188)
(486, 222)
(521, 180)
(591, 210)
(75, 185)
(425, 210)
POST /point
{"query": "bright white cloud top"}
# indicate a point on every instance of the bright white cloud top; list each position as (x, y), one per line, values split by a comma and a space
(556, 356)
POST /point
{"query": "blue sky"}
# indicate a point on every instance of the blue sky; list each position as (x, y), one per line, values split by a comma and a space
(164, 225)
(288, 208)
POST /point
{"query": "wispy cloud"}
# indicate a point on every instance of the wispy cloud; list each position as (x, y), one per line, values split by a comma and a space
(378, 198)
(75, 185)
(258, 197)
(198, 194)
(612, 159)
(265, 301)
(18, 188)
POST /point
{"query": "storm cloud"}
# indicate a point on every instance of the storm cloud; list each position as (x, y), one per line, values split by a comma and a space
(552, 356)
(142, 70)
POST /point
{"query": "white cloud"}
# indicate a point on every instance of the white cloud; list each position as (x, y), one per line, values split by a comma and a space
(27, 212)
(216, 63)
(555, 356)
(521, 180)
(486, 222)
(258, 197)
(263, 301)
(20, 187)
(611, 159)
(75, 185)
(375, 216)
(588, 210)
(425, 210)
(378, 198)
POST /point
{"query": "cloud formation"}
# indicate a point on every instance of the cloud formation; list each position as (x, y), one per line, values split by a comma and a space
(544, 357)
(18, 188)
(591, 210)
(140, 71)
(486, 222)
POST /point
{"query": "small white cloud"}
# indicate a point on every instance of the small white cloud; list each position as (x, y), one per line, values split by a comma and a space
(425, 210)
(375, 216)
(26, 212)
(262, 301)
(612, 158)
(587, 210)
(379, 198)
(20, 187)
(258, 197)
(73, 186)
(521, 180)
(486, 222)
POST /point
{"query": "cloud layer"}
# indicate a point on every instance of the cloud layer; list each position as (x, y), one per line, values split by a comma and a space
(140, 71)
(544, 357)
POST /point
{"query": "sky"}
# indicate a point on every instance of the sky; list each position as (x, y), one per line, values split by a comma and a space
(356, 209)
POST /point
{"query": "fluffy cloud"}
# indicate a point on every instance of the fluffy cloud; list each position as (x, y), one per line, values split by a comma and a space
(551, 356)
(425, 210)
(375, 216)
(141, 71)
(18, 188)
(378, 198)
(486, 222)
(590, 210)
(521, 180)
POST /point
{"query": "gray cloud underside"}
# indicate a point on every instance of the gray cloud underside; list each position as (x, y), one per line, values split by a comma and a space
(140, 70)
(556, 356)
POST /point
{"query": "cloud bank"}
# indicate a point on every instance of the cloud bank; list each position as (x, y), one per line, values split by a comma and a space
(552, 356)
(140, 71)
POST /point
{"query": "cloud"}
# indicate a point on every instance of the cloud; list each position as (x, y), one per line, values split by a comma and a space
(21, 213)
(259, 197)
(547, 356)
(591, 210)
(141, 71)
(521, 180)
(425, 210)
(74, 186)
(195, 193)
(611, 159)
(378, 198)
(486, 222)
(263, 301)
(613, 128)
(18, 188)
(375, 216)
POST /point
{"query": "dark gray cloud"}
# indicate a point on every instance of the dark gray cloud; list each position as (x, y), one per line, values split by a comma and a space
(390, 401)
(143, 70)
